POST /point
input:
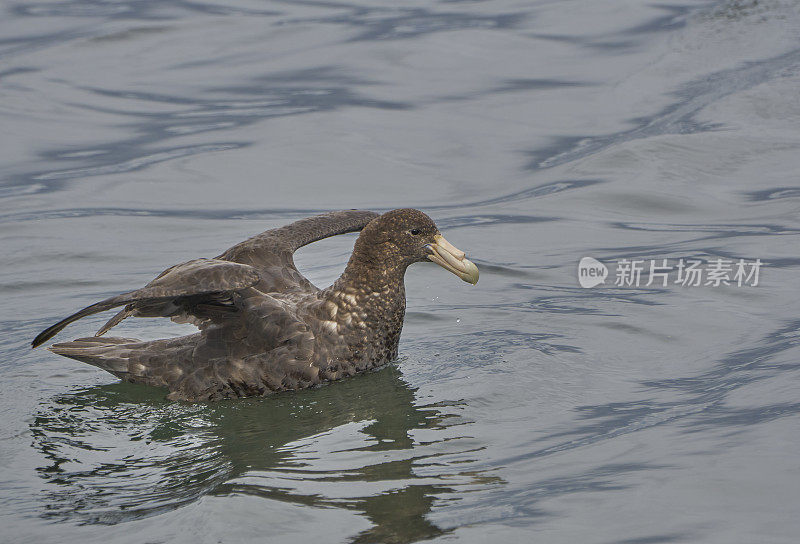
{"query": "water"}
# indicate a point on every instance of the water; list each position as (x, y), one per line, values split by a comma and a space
(139, 134)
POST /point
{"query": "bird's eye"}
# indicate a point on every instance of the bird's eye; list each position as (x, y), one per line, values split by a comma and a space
(414, 231)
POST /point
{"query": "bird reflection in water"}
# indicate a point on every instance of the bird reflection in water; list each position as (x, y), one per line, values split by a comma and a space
(120, 452)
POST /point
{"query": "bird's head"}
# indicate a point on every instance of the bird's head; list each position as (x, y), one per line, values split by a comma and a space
(407, 236)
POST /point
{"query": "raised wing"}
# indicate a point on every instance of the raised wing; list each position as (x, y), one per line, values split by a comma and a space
(201, 288)
(271, 252)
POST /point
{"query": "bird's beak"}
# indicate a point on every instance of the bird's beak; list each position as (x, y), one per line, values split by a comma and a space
(451, 258)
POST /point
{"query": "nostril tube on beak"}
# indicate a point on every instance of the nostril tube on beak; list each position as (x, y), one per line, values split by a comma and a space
(450, 248)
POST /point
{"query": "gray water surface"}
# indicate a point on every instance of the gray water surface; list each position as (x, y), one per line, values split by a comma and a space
(138, 134)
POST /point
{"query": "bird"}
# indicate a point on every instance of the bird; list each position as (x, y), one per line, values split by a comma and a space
(262, 326)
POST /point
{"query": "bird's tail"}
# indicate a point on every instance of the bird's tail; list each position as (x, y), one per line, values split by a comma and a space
(111, 354)
(155, 362)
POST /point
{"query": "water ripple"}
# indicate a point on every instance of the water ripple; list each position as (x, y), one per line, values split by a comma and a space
(276, 95)
(677, 118)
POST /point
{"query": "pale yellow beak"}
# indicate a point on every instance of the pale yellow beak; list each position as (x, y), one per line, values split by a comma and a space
(451, 258)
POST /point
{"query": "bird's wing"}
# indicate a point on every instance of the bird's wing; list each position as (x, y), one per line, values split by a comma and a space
(200, 290)
(268, 347)
(271, 252)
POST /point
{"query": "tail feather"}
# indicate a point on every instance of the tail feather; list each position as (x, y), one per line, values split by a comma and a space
(111, 354)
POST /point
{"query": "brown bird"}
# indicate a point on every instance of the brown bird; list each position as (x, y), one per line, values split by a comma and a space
(263, 326)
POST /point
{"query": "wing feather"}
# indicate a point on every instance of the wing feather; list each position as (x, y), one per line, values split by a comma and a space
(271, 252)
(179, 289)
(202, 290)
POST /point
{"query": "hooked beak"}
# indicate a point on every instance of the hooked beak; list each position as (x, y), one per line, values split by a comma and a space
(451, 258)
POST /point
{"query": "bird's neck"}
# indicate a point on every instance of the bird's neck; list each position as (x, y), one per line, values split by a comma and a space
(371, 286)
(369, 299)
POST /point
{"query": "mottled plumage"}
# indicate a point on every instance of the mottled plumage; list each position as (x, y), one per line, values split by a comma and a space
(263, 326)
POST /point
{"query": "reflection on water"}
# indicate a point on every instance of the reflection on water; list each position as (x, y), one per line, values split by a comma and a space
(174, 454)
